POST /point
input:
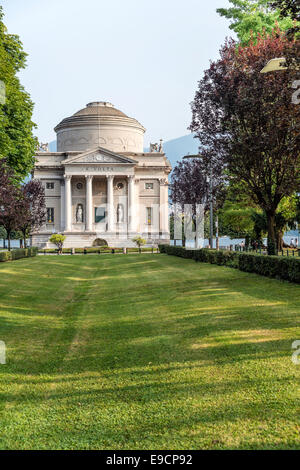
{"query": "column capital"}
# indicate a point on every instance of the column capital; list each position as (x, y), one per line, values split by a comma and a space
(131, 177)
(88, 177)
(110, 177)
(67, 177)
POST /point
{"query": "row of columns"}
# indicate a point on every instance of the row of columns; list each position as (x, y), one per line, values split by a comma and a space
(89, 203)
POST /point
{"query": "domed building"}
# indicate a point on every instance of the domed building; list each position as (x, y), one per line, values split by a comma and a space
(100, 184)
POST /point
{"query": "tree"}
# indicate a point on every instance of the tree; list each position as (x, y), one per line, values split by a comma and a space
(58, 240)
(289, 9)
(190, 186)
(286, 217)
(33, 210)
(10, 201)
(139, 241)
(3, 235)
(17, 143)
(249, 17)
(249, 122)
(190, 182)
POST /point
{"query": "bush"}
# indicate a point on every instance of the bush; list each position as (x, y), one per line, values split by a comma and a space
(18, 254)
(100, 242)
(139, 241)
(58, 239)
(5, 256)
(287, 269)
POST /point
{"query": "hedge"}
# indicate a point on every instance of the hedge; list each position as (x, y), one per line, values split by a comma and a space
(285, 268)
(102, 249)
(18, 254)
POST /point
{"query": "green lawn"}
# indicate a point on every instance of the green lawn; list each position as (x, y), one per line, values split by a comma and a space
(146, 352)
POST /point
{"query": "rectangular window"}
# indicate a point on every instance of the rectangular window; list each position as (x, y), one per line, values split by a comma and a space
(148, 185)
(49, 185)
(50, 215)
(100, 214)
(149, 215)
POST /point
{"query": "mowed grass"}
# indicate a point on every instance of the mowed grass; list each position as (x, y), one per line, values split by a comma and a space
(146, 352)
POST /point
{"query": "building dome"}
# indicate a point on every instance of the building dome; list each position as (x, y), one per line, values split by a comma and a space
(100, 124)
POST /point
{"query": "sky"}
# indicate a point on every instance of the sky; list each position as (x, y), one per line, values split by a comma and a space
(144, 56)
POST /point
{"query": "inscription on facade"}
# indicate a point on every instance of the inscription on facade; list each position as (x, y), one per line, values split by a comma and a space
(98, 169)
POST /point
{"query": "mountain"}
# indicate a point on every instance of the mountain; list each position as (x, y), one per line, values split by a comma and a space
(174, 149)
(53, 146)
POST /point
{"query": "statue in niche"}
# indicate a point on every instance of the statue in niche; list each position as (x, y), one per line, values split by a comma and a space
(120, 213)
(79, 214)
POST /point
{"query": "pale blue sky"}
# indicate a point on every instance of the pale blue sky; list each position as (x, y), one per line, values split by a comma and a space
(145, 56)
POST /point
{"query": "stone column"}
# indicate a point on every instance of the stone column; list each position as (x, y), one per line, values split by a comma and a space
(164, 208)
(131, 204)
(137, 214)
(88, 203)
(68, 204)
(110, 203)
(62, 206)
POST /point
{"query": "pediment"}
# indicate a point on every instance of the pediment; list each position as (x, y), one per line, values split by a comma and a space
(98, 155)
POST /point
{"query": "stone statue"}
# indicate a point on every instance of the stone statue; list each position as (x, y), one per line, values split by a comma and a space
(120, 213)
(44, 147)
(157, 147)
(79, 214)
(154, 147)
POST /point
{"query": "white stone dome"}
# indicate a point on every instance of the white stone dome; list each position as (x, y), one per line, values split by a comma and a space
(100, 124)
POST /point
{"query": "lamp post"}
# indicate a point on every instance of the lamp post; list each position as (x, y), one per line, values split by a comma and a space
(211, 207)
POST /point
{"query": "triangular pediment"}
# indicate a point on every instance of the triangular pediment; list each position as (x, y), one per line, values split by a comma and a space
(98, 155)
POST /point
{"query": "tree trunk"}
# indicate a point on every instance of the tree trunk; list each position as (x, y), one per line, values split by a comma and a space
(272, 244)
(8, 241)
(280, 240)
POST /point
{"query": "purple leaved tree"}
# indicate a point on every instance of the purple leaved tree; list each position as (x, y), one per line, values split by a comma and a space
(33, 209)
(10, 201)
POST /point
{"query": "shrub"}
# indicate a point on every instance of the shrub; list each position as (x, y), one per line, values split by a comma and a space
(100, 242)
(5, 256)
(18, 254)
(139, 241)
(58, 240)
(266, 265)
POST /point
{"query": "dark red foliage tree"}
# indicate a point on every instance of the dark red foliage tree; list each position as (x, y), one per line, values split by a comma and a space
(249, 122)
(190, 181)
(33, 210)
(10, 201)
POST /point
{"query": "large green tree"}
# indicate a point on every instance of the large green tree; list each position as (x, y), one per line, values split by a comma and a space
(249, 17)
(17, 143)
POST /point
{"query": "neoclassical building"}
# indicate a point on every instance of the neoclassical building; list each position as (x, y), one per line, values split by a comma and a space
(100, 184)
